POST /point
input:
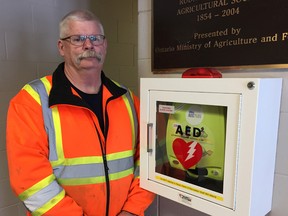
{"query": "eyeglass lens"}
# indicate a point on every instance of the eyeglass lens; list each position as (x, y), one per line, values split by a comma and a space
(80, 39)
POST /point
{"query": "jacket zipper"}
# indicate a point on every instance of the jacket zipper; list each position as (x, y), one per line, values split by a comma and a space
(106, 169)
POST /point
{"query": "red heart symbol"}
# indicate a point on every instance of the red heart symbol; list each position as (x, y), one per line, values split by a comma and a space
(188, 153)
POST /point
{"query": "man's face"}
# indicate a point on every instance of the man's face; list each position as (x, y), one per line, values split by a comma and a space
(86, 56)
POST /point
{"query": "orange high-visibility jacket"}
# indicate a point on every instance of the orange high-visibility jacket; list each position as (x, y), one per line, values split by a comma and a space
(60, 161)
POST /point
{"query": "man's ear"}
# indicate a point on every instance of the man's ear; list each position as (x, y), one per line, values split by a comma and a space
(105, 43)
(60, 47)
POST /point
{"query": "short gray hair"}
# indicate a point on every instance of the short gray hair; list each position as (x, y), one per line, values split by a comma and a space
(77, 15)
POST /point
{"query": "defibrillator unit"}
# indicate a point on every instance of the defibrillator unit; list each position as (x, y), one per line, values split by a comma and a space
(195, 140)
(210, 144)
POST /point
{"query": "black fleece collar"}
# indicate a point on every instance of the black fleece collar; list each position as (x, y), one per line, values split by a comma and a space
(61, 92)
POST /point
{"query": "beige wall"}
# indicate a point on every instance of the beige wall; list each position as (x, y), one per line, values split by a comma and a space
(120, 22)
(28, 38)
(166, 207)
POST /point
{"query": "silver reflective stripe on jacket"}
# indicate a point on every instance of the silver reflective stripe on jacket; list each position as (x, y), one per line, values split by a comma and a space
(82, 170)
(43, 196)
(39, 87)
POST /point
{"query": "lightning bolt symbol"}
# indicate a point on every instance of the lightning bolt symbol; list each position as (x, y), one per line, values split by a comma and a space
(191, 151)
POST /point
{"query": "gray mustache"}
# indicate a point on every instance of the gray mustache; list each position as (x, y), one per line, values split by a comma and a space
(90, 54)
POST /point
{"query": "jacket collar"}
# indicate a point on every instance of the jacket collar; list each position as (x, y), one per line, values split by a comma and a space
(61, 91)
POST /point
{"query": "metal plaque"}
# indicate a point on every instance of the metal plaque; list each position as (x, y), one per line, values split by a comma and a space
(219, 33)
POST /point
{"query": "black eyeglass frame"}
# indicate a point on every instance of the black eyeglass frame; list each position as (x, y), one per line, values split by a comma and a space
(99, 37)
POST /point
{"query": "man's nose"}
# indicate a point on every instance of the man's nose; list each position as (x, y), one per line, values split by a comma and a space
(88, 44)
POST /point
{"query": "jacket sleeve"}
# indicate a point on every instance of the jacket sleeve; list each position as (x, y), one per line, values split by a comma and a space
(31, 175)
(138, 199)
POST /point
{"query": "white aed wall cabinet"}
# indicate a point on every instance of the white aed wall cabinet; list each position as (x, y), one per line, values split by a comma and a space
(210, 144)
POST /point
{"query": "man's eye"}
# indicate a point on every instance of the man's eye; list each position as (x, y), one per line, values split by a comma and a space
(76, 39)
(82, 38)
(93, 38)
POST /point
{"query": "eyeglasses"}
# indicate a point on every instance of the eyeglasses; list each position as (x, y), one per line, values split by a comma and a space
(79, 40)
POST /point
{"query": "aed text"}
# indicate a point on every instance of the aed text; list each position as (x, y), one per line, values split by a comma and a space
(187, 131)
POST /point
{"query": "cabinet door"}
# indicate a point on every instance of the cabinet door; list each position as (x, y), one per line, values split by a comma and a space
(192, 143)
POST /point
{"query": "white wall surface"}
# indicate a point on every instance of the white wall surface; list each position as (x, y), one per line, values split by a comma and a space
(168, 208)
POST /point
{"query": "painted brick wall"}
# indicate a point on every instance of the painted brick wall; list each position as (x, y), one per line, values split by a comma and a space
(28, 49)
(168, 208)
(120, 22)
